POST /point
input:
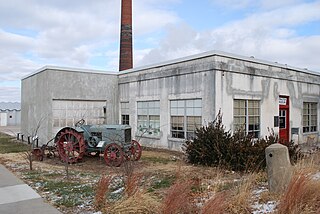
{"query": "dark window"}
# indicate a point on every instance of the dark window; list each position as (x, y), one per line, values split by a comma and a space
(125, 119)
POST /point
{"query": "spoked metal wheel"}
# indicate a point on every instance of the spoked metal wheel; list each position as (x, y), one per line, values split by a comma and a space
(135, 150)
(113, 155)
(70, 145)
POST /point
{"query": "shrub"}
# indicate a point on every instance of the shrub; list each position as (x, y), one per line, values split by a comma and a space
(210, 144)
(214, 146)
(178, 199)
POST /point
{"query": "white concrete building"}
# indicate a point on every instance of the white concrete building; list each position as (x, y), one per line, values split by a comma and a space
(164, 103)
(10, 113)
(55, 97)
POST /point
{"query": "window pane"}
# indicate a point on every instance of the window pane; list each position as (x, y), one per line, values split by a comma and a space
(310, 117)
(198, 103)
(174, 103)
(197, 112)
(189, 112)
(181, 103)
(246, 116)
(190, 103)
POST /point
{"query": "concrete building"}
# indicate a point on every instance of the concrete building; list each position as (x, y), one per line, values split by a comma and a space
(10, 113)
(55, 97)
(164, 103)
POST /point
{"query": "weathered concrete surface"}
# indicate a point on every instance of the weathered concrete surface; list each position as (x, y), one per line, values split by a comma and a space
(49, 84)
(216, 78)
(279, 168)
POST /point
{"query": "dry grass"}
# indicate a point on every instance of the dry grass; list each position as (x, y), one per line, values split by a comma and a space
(140, 202)
(178, 199)
(101, 191)
(217, 204)
(132, 183)
(240, 200)
(302, 195)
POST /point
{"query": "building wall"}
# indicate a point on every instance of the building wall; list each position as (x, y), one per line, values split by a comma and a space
(41, 90)
(185, 80)
(13, 117)
(3, 119)
(238, 79)
(219, 80)
(216, 79)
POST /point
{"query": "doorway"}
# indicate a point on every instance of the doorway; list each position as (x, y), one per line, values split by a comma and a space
(284, 114)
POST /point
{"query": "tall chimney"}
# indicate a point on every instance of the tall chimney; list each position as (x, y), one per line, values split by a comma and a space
(125, 61)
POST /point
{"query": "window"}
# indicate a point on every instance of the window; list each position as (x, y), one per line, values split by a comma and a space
(310, 117)
(149, 118)
(124, 113)
(246, 116)
(185, 118)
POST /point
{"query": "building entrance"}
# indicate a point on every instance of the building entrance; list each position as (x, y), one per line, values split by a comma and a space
(284, 113)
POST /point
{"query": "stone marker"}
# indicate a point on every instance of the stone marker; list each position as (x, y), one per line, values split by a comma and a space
(279, 168)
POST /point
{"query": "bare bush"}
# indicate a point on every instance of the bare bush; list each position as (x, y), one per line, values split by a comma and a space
(100, 197)
(302, 195)
(216, 205)
(178, 199)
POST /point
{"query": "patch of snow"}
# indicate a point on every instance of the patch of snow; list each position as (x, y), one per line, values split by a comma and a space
(316, 176)
(268, 207)
(257, 192)
(120, 190)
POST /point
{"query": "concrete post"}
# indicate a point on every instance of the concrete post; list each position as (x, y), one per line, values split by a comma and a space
(279, 168)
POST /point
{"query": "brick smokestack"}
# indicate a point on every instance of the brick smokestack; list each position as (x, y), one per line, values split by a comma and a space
(125, 61)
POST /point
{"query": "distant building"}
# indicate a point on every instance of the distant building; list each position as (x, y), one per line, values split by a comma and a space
(10, 113)
(165, 103)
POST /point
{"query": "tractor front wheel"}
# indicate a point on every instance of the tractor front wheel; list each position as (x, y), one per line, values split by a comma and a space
(113, 155)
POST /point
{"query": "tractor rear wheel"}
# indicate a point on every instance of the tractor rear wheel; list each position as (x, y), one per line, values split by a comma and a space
(70, 145)
(135, 150)
(113, 155)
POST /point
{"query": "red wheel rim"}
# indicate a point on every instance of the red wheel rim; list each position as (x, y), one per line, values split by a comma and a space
(70, 145)
(113, 155)
(135, 150)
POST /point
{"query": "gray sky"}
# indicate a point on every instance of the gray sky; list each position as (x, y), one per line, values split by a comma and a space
(85, 34)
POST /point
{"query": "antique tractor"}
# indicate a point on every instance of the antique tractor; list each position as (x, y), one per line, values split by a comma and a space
(113, 141)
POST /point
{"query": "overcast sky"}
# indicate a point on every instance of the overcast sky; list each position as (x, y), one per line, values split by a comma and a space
(85, 33)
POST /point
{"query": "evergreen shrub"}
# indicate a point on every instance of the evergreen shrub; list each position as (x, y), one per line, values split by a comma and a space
(214, 146)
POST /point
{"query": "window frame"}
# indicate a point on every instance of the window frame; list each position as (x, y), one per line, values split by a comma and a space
(150, 112)
(308, 115)
(251, 111)
(181, 112)
(125, 116)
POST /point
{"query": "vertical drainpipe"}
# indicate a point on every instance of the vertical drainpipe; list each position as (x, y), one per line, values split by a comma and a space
(126, 61)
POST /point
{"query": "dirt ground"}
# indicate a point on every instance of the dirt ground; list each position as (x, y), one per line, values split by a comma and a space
(155, 165)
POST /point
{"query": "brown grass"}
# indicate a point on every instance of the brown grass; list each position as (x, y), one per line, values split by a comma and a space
(101, 191)
(178, 199)
(240, 200)
(217, 204)
(132, 183)
(302, 195)
(139, 203)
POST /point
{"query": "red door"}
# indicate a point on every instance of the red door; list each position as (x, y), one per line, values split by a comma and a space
(284, 119)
